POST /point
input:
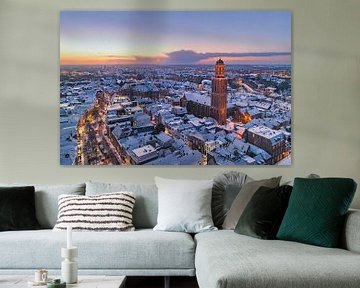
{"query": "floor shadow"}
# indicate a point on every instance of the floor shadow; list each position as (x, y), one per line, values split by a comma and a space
(158, 282)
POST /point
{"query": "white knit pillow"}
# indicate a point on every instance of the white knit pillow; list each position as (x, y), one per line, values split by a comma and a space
(105, 212)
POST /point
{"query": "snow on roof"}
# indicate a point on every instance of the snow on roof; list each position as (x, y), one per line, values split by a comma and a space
(145, 87)
(130, 142)
(114, 107)
(273, 135)
(117, 131)
(198, 98)
(145, 150)
(241, 104)
(231, 137)
(192, 158)
(142, 117)
(163, 137)
(167, 160)
(254, 111)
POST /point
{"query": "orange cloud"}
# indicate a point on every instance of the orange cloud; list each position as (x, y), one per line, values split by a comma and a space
(109, 59)
(177, 57)
(94, 59)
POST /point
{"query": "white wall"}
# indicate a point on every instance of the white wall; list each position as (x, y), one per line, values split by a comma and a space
(326, 90)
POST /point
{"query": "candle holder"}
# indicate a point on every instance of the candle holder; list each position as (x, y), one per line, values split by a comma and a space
(69, 271)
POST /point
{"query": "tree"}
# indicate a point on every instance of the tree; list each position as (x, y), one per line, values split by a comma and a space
(159, 128)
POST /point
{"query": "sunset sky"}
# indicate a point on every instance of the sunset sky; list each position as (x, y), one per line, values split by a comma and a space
(176, 37)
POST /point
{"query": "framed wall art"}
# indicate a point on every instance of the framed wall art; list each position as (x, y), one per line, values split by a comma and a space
(175, 88)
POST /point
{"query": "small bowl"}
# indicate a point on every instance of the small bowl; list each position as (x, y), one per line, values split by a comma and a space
(56, 283)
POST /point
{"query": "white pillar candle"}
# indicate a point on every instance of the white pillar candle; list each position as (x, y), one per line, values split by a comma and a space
(69, 237)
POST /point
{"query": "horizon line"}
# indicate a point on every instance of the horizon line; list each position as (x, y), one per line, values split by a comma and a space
(184, 64)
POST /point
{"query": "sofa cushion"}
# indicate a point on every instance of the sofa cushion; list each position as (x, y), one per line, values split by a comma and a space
(317, 210)
(184, 205)
(225, 259)
(225, 189)
(263, 215)
(146, 205)
(105, 212)
(143, 249)
(46, 200)
(17, 208)
(243, 198)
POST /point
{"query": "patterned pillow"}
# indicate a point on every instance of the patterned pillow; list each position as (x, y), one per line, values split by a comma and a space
(225, 189)
(105, 212)
(317, 210)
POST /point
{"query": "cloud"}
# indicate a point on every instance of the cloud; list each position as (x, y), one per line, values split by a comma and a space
(136, 59)
(149, 59)
(192, 57)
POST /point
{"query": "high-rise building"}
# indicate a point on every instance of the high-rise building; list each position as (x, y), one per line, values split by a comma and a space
(219, 93)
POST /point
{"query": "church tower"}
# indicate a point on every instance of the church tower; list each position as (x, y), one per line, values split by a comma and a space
(219, 93)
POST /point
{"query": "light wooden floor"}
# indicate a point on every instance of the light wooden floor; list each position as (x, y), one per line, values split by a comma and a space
(158, 282)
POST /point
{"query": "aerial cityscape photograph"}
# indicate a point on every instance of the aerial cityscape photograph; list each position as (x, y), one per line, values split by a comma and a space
(175, 88)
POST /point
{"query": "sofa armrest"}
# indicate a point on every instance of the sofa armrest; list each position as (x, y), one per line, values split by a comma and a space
(351, 234)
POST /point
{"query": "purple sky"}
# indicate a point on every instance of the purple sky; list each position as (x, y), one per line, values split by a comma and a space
(175, 37)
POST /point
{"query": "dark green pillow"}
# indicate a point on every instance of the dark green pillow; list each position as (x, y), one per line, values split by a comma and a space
(263, 214)
(17, 209)
(316, 211)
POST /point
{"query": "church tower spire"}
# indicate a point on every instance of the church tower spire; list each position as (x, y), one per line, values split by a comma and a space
(219, 93)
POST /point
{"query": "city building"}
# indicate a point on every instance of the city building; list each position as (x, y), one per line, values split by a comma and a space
(272, 141)
(219, 93)
(143, 154)
(215, 106)
(146, 89)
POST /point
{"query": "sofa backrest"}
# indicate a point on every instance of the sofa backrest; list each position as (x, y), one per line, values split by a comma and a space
(146, 203)
(46, 200)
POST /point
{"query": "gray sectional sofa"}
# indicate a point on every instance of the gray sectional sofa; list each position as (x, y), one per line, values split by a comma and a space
(219, 259)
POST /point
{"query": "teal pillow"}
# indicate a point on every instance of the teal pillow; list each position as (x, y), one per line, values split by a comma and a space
(316, 211)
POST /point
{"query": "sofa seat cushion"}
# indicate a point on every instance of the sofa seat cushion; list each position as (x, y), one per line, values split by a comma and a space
(142, 249)
(226, 259)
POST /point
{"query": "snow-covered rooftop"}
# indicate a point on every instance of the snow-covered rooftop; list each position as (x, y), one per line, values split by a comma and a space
(145, 150)
(268, 133)
(198, 98)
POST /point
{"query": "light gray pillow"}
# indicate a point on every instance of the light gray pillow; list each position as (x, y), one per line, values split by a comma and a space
(146, 204)
(46, 200)
(243, 198)
(184, 205)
